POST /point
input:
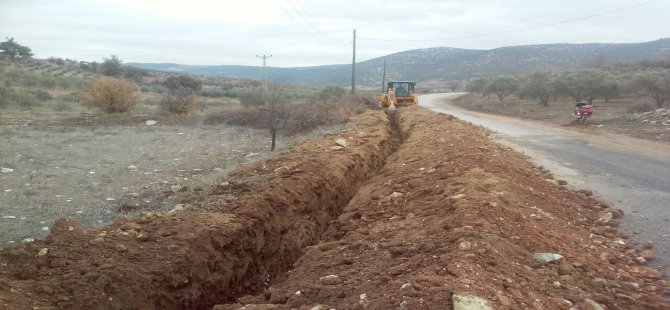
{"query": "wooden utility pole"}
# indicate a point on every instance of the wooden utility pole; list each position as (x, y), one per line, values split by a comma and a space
(353, 68)
(265, 72)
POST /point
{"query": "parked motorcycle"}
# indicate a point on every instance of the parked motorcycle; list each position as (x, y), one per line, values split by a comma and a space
(582, 113)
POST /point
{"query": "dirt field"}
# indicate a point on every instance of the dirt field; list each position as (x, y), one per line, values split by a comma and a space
(94, 174)
(423, 213)
(613, 116)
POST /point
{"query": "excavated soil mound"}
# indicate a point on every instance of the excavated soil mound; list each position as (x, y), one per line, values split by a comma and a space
(454, 214)
(345, 222)
(230, 241)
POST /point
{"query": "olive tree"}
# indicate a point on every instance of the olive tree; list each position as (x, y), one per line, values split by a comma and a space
(538, 85)
(478, 86)
(654, 84)
(503, 86)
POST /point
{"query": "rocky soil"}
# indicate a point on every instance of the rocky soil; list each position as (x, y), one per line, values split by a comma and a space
(423, 213)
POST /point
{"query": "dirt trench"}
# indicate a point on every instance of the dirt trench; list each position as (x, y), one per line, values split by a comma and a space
(452, 213)
(230, 241)
(353, 227)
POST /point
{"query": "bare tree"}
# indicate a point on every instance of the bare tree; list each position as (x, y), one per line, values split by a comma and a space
(279, 112)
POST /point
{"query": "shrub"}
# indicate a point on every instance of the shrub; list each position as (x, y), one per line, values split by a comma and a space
(111, 95)
(252, 99)
(180, 95)
(331, 92)
(42, 95)
(302, 117)
(27, 101)
(640, 107)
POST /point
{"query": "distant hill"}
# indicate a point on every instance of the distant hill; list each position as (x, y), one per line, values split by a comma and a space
(439, 64)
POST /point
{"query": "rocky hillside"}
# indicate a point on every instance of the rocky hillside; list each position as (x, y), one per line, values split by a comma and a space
(445, 63)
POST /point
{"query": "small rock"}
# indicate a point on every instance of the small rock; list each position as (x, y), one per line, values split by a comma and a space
(600, 281)
(142, 237)
(9, 217)
(565, 268)
(469, 302)
(594, 305)
(648, 245)
(336, 147)
(330, 279)
(121, 248)
(465, 246)
(43, 252)
(504, 300)
(556, 284)
(606, 217)
(547, 257)
(97, 240)
(406, 286)
(395, 196)
(178, 207)
(404, 305)
(150, 122)
(319, 307)
(562, 182)
(455, 198)
(640, 260)
(341, 142)
(132, 167)
(648, 255)
(131, 225)
(6, 170)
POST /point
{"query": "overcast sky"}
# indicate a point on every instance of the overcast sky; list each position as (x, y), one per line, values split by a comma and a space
(311, 32)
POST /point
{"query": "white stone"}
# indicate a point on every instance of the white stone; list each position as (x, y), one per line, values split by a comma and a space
(547, 257)
(469, 302)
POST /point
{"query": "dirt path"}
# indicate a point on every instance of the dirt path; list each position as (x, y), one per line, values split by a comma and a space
(344, 222)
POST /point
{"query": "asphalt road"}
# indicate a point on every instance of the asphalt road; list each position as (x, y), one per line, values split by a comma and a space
(632, 174)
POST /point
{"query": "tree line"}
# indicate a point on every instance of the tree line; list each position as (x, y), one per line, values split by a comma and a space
(647, 78)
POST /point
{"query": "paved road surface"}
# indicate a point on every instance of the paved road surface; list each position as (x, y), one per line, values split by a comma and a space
(631, 173)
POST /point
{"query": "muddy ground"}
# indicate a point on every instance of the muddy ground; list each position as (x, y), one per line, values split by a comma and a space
(420, 215)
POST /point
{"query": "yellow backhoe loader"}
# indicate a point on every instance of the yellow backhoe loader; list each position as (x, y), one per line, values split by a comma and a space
(398, 94)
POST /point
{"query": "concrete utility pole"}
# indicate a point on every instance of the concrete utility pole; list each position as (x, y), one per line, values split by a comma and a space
(353, 68)
(265, 72)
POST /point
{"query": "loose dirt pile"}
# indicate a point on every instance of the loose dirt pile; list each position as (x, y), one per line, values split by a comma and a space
(447, 217)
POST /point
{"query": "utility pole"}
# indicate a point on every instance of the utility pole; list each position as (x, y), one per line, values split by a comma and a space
(265, 72)
(353, 68)
(384, 76)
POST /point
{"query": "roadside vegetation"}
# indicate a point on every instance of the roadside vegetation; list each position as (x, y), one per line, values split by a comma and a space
(629, 98)
(97, 140)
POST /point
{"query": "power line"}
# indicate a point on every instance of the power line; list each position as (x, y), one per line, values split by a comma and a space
(315, 37)
(517, 30)
(304, 17)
